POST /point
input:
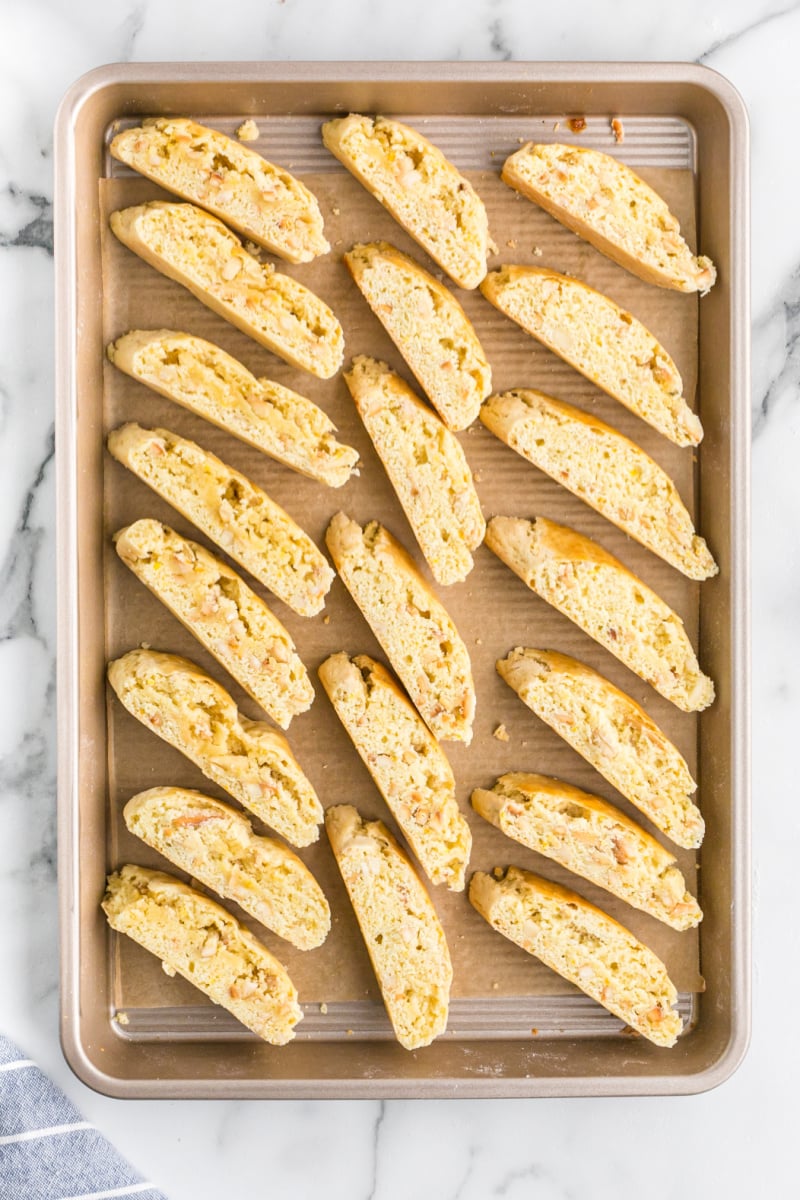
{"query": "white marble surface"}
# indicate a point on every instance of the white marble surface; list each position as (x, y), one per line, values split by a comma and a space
(734, 1140)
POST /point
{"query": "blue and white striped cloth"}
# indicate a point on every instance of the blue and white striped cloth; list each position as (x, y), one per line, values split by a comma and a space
(47, 1150)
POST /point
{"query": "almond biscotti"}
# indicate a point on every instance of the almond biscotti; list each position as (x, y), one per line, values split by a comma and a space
(583, 945)
(406, 762)
(429, 328)
(605, 202)
(605, 470)
(196, 250)
(405, 942)
(196, 938)
(414, 628)
(420, 188)
(213, 384)
(613, 734)
(248, 759)
(216, 845)
(602, 597)
(223, 613)
(426, 465)
(231, 511)
(599, 339)
(592, 838)
(264, 202)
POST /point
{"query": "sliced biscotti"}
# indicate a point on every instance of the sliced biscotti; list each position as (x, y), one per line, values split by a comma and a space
(262, 201)
(429, 328)
(231, 511)
(405, 942)
(196, 938)
(594, 589)
(216, 845)
(420, 638)
(422, 190)
(406, 762)
(599, 339)
(213, 384)
(426, 465)
(611, 732)
(605, 470)
(605, 202)
(196, 250)
(223, 613)
(593, 839)
(583, 945)
(192, 712)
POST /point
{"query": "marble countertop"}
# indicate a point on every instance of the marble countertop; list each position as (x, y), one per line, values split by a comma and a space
(732, 1140)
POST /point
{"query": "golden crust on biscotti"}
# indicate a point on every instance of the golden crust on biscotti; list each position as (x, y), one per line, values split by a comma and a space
(591, 587)
(198, 939)
(223, 613)
(402, 933)
(605, 470)
(603, 200)
(429, 328)
(215, 844)
(592, 838)
(601, 340)
(424, 192)
(196, 250)
(426, 465)
(203, 378)
(584, 945)
(613, 733)
(248, 759)
(410, 622)
(230, 510)
(262, 201)
(406, 762)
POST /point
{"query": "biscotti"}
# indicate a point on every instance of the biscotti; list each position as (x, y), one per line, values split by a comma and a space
(426, 465)
(592, 838)
(231, 511)
(602, 597)
(196, 938)
(429, 328)
(605, 202)
(411, 624)
(583, 945)
(264, 202)
(420, 188)
(605, 470)
(211, 383)
(248, 759)
(196, 250)
(405, 942)
(215, 844)
(612, 733)
(599, 339)
(223, 613)
(406, 762)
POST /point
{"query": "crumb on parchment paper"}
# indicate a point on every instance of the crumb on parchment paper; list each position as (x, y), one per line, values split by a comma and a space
(502, 734)
(248, 131)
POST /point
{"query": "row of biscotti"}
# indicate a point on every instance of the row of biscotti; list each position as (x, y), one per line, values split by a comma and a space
(588, 191)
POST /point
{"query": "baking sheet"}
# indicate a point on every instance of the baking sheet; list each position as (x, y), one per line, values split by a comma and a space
(493, 609)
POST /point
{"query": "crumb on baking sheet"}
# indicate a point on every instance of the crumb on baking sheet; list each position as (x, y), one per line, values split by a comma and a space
(511, 243)
(534, 1032)
(248, 131)
(502, 734)
(556, 127)
(495, 985)
(145, 645)
(497, 872)
(521, 141)
(168, 970)
(537, 252)
(492, 244)
(323, 1008)
(618, 129)
(326, 620)
(122, 1018)
(577, 124)
(478, 641)
(477, 477)
(336, 211)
